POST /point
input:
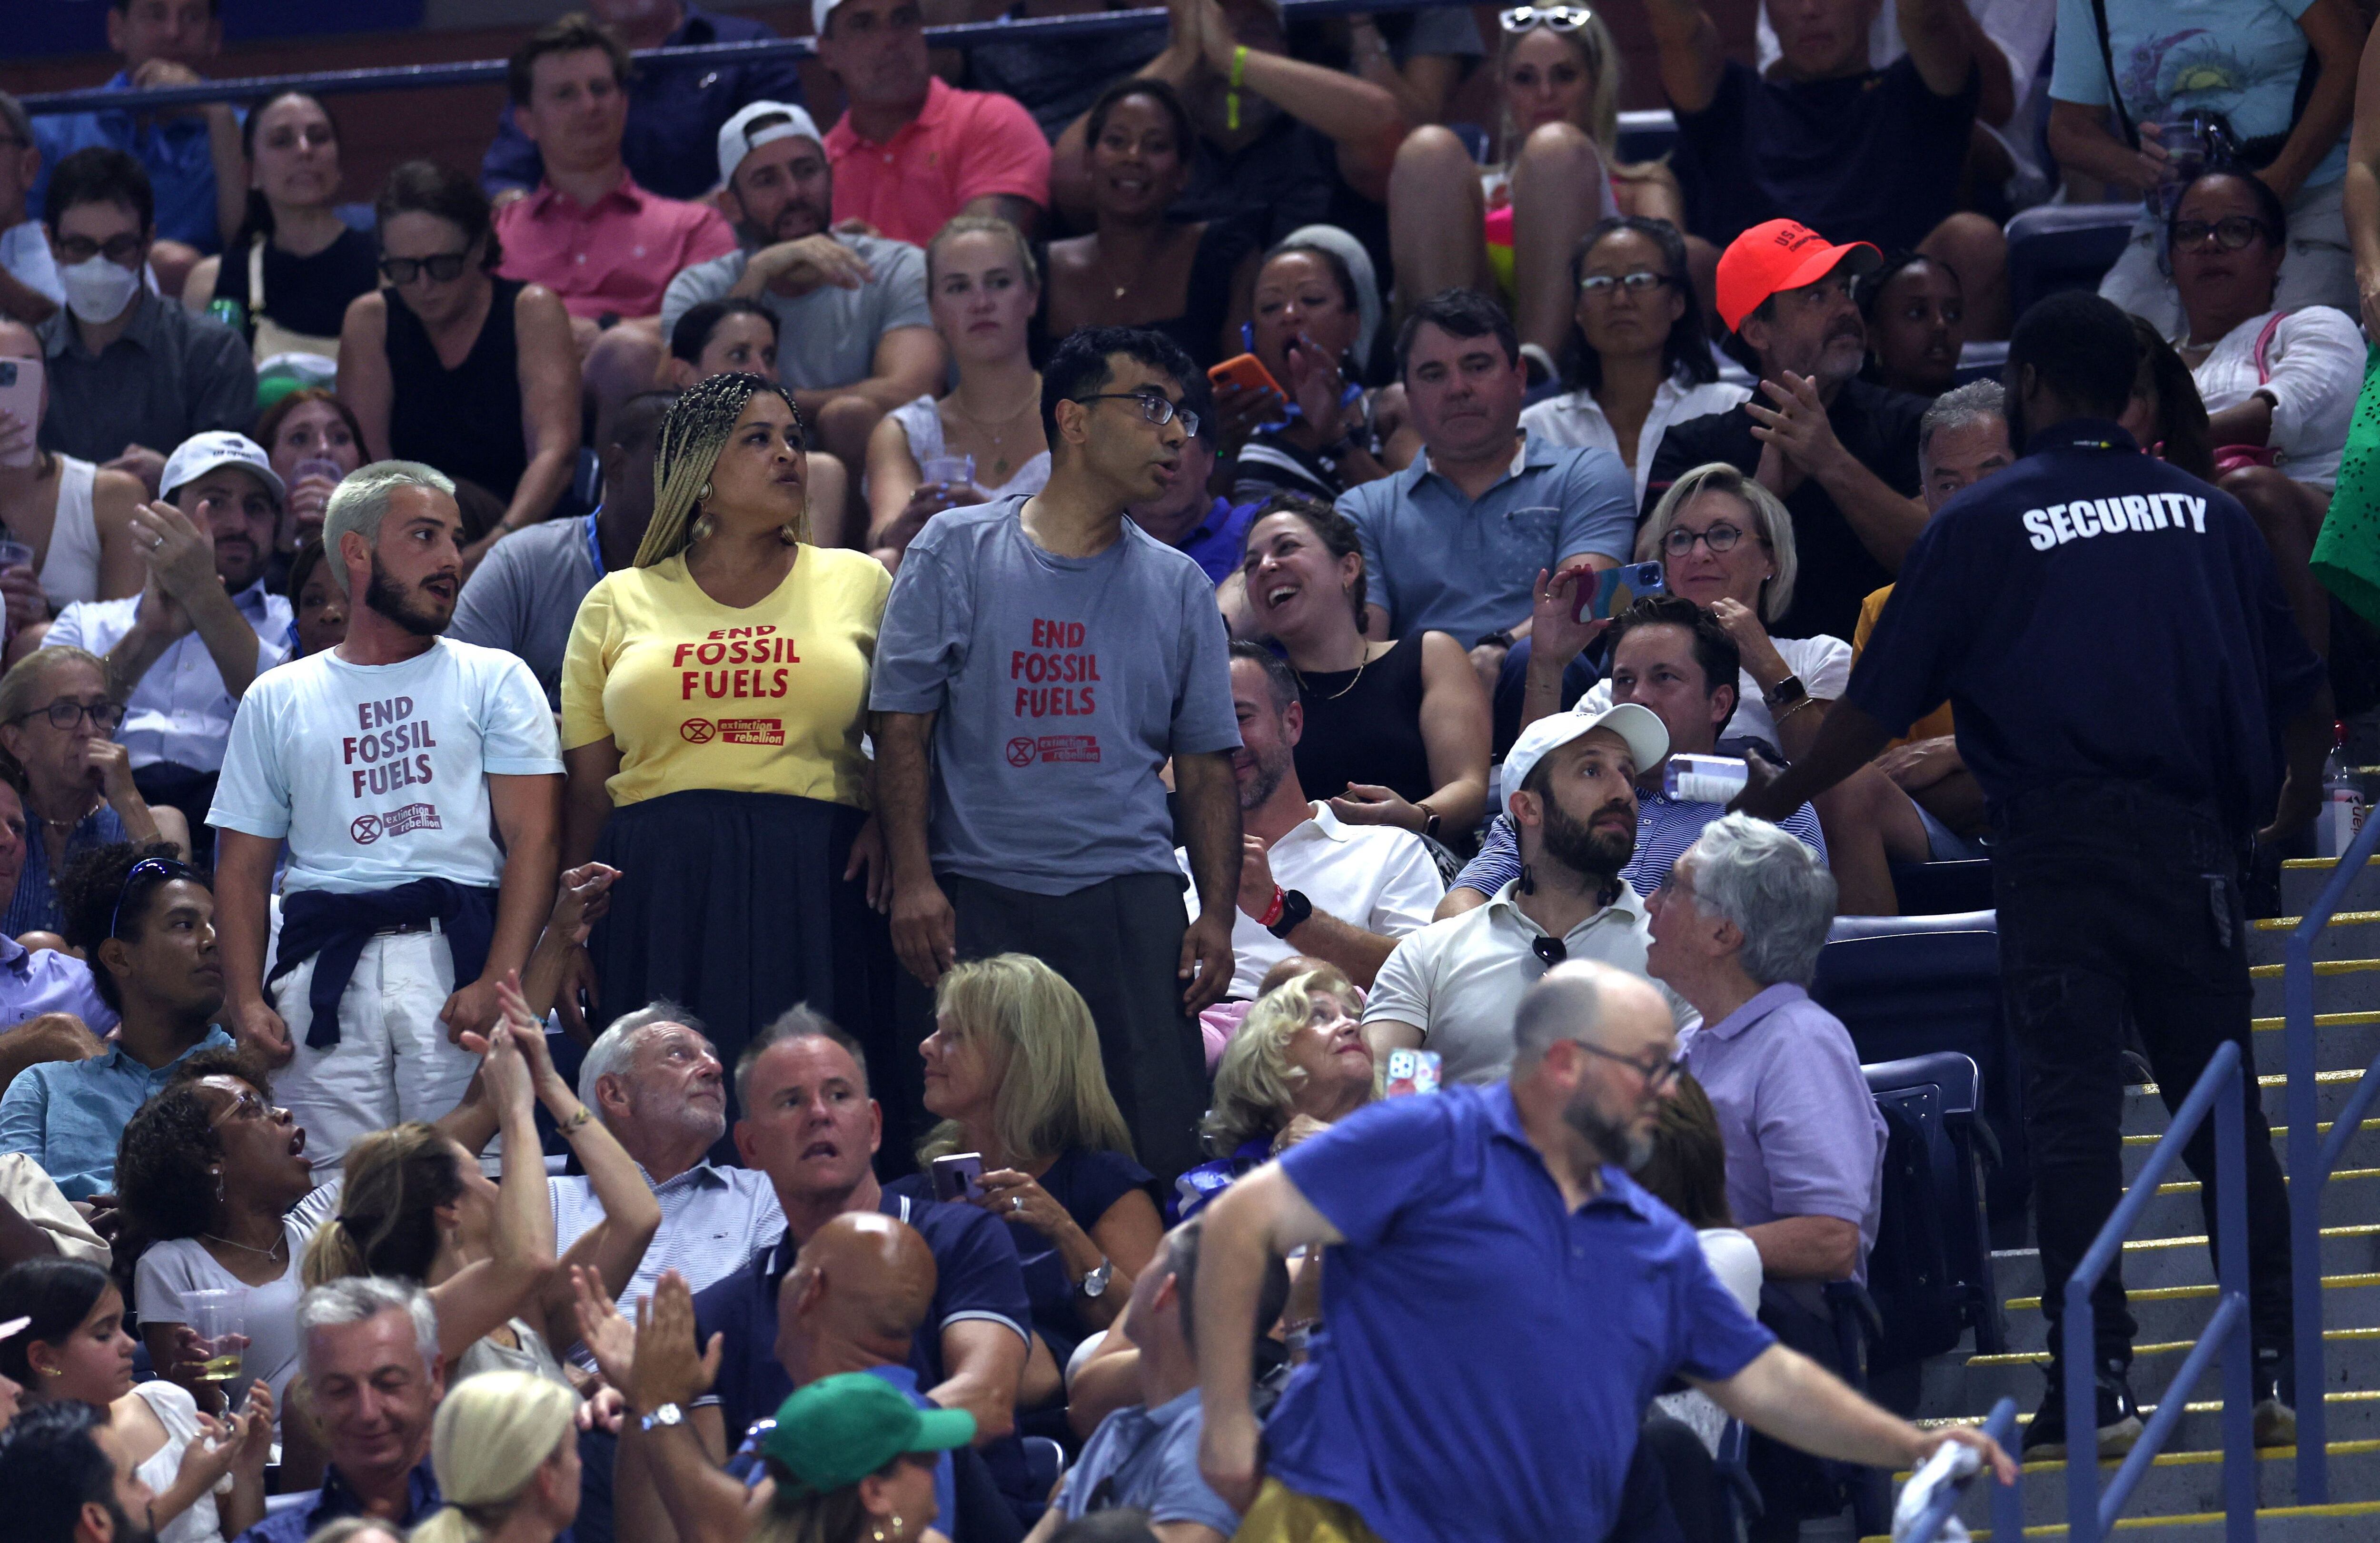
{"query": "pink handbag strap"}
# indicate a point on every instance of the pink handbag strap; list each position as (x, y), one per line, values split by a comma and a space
(2265, 341)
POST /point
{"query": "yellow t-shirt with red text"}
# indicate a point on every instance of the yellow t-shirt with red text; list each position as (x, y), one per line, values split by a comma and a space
(771, 697)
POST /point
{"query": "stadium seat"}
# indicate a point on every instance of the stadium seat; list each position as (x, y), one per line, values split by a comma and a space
(1940, 889)
(2064, 246)
(1911, 985)
(1046, 1461)
(1930, 1271)
(1648, 135)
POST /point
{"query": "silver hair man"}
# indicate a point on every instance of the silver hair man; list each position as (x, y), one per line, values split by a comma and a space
(360, 1299)
(360, 502)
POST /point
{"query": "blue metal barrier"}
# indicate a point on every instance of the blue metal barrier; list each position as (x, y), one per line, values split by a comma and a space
(2311, 1162)
(474, 72)
(2008, 1500)
(2089, 1514)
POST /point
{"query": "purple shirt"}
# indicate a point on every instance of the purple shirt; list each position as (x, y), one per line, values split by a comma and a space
(1803, 1133)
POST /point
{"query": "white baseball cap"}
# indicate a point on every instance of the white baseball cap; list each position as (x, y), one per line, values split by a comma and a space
(201, 454)
(1647, 737)
(820, 11)
(758, 124)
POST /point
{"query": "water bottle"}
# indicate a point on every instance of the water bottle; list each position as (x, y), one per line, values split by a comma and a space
(1704, 779)
(2342, 802)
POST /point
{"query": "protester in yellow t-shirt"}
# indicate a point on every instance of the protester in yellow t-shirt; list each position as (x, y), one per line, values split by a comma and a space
(714, 700)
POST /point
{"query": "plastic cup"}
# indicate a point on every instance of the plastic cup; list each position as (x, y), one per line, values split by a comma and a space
(218, 1315)
(316, 466)
(955, 471)
(15, 555)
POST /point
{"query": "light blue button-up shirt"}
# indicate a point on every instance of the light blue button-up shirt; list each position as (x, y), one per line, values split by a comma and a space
(66, 1115)
(48, 981)
(179, 713)
(1438, 561)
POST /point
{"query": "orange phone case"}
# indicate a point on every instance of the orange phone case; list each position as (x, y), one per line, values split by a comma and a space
(1246, 372)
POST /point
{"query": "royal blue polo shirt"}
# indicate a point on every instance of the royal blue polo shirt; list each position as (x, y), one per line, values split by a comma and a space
(2093, 615)
(977, 1277)
(1487, 1352)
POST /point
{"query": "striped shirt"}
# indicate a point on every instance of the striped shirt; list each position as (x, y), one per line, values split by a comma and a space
(1665, 828)
(713, 1220)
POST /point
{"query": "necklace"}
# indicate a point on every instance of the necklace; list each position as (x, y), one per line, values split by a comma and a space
(272, 1253)
(996, 433)
(1360, 665)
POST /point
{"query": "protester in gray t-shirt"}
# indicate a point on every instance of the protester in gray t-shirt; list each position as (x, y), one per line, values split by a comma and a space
(1057, 657)
(524, 596)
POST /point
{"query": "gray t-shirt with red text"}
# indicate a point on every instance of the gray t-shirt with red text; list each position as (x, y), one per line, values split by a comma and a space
(1062, 684)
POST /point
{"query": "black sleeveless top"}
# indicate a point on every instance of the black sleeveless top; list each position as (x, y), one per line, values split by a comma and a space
(303, 294)
(1366, 729)
(465, 422)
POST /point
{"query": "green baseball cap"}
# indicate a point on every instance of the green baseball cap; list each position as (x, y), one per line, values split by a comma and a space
(840, 1429)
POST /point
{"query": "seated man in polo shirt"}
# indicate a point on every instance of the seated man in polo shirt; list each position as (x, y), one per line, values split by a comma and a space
(1310, 885)
(50, 1009)
(131, 373)
(202, 628)
(1210, 530)
(1570, 789)
(1454, 542)
(910, 150)
(1670, 656)
(811, 1126)
(1504, 1301)
(1146, 1456)
(523, 595)
(147, 923)
(854, 337)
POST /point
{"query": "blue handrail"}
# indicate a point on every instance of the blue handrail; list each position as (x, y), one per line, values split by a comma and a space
(2008, 1500)
(2310, 1160)
(2223, 1088)
(472, 72)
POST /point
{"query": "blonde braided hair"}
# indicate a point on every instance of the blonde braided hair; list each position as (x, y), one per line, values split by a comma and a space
(691, 437)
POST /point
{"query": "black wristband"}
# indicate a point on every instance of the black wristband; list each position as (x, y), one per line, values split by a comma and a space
(1500, 639)
(1294, 910)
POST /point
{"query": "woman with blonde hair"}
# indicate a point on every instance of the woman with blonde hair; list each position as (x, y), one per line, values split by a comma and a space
(1013, 1069)
(1297, 1065)
(505, 1450)
(414, 1205)
(714, 697)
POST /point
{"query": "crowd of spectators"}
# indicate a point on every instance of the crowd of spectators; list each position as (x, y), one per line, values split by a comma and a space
(729, 828)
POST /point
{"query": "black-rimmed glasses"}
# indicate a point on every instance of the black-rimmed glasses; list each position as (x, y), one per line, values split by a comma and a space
(66, 712)
(1678, 541)
(122, 251)
(164, 867)
(1156, 408)
(445, 268)
(2233, 232)
(1657, 1076)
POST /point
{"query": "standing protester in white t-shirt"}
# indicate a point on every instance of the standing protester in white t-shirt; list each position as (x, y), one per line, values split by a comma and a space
(29, 289)
(393, 764)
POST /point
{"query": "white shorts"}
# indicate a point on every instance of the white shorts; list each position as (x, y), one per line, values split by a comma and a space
(392, 1062)
(2318, 269)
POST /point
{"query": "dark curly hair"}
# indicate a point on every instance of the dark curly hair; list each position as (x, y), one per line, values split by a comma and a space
(1333, 529)
(165, 1160)
(98, 905)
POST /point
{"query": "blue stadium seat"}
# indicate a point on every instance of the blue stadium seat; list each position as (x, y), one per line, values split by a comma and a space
(1939, 889)
(1648, 135)
(1911, 985)
(1045, 1460)
(2064, 246)
(1930, 1273)
(1474, 139)
(1738, 1497)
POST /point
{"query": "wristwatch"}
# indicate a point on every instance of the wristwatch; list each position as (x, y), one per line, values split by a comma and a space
(1786, 692)
(1430, 824)
(1095, 1284)
(1293, 909)
(1500, 639)
(668, 1413)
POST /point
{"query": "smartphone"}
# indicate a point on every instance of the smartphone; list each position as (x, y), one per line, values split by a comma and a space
(21, 393)
(1248, 372)
(1413, 1071)
(1617, 589)
(958, 1176)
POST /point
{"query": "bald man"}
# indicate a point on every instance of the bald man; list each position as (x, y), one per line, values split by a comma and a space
(1485, 1243)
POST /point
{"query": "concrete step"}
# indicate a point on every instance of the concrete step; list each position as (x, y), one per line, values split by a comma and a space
(2357, 1522)
(2178, 1312)
(2354, 1196)
(2350, 935)
(2304, 879)
(2184, 1261)
(2363, 1149)
(2352, 1359)
(2344, 1040)
(2145, 1115)
(2181, 1483)
(2339, 986)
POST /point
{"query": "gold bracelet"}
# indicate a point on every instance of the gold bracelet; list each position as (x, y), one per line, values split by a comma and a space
(576, 1120)
(1806, 701)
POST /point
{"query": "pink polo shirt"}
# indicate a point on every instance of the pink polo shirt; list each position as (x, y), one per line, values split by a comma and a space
(961, 146)
(617, 256)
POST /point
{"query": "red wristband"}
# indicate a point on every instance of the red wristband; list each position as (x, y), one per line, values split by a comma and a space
(1272, 912)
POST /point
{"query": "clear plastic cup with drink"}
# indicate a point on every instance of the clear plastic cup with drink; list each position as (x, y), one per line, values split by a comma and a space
(219, 1317)
(951, 471)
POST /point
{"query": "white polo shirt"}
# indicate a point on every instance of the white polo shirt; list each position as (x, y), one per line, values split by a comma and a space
(1460, 981)
(1375, 877)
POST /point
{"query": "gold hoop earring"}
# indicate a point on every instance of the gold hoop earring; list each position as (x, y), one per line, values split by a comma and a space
(701, 530)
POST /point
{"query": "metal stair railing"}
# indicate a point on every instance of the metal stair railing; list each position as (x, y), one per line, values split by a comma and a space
(2310, 1160)
(2222, 1088)
(2008, 1500)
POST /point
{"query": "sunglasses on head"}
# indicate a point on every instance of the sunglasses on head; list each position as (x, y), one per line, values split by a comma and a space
(166, 870)
(1561, 18)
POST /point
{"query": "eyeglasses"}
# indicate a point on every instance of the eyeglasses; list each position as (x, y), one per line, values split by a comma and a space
(1156, 408)
(1561, 18)
(1719, 538)
(2231, 233)
(1641, 284)
(166, 868)
(1657, 1076)
(445, 268)
(122, 251)
(66, 712)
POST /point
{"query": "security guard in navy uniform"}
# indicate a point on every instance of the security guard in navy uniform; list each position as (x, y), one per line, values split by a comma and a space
(2127, 682)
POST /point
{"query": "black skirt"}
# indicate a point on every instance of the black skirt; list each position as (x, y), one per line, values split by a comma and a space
(733, 905)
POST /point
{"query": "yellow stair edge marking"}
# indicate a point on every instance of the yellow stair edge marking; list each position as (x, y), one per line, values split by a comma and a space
(2212, 1406)
(2278, 1132)
(2190, 1186)
(2180, 1294)
(2367, 1229)
(2342, 918)
(2196, 1519)
(2320, 1020)
(2321, 966)
(2280, 1079)
(2187, 1459)
(2162, 1347)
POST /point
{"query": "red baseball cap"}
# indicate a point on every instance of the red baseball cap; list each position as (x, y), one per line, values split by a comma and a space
(1778, 255)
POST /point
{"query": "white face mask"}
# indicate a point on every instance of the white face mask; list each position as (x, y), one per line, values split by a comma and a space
(98, 290)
